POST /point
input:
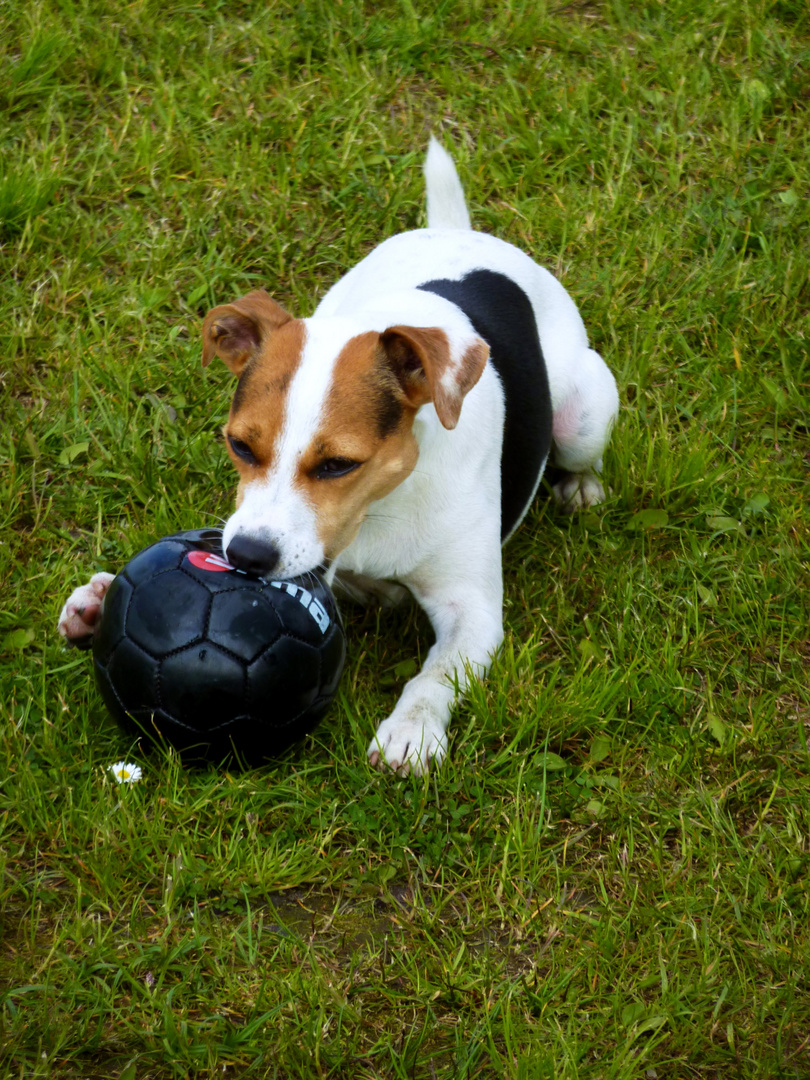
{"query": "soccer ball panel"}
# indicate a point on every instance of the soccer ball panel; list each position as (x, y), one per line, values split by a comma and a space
(245, 625)
(153, 560)
(310, 617)
(194, 745)
(128, 682)
(284, 681)
(167, 613)
(202, 686)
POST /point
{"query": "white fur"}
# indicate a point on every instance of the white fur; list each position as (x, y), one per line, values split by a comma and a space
(438, 532)
(446, 205)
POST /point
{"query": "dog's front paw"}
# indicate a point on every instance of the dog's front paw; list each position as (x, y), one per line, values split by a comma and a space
(410, 742)
(79, 617)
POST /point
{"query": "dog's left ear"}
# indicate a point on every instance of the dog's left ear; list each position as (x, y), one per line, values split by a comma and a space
(429, 370)
(234, 332)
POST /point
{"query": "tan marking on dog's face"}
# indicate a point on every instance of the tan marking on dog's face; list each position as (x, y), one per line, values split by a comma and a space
(258, 407)
(321, 427)
(366, 420)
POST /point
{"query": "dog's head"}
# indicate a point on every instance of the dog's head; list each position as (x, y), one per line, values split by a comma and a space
(321, 424)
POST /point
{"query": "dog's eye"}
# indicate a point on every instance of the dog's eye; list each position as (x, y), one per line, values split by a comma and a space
(242, 450)
(333, 467)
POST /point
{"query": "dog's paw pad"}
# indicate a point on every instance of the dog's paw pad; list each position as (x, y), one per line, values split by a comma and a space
(577, 491)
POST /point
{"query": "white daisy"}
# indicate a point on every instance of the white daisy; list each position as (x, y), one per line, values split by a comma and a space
(125, 772)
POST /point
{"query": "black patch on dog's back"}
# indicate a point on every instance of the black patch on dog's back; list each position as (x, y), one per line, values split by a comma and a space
(501, 313)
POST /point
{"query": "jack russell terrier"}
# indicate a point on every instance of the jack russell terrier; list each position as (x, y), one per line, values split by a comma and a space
(399, 436)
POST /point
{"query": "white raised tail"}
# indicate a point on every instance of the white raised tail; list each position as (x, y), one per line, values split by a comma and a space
(446, 206)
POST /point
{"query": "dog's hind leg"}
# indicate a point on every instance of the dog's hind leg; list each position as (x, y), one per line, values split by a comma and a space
(580, 431)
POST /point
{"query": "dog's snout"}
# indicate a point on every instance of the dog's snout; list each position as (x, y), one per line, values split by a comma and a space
(253, 556)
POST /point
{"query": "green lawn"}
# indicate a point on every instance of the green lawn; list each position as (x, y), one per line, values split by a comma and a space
(608, 878)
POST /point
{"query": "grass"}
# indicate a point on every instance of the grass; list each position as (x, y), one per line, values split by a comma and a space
(608, 877)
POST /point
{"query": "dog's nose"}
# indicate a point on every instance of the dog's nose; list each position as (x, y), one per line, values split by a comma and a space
(253, 556)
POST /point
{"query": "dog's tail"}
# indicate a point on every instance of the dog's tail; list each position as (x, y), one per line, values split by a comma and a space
(446, 207)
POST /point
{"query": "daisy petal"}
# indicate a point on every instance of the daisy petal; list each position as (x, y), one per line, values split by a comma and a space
(125, 772)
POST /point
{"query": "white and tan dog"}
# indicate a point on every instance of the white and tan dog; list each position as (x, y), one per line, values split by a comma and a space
(399, 435)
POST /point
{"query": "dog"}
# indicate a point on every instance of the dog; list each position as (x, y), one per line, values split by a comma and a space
(399, 436)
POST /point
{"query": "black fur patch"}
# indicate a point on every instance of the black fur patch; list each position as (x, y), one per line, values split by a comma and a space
(501, 313)
(241, 387)
(387, 413)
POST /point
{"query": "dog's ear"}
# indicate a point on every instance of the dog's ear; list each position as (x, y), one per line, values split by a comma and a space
(428, 370)
(234, 332)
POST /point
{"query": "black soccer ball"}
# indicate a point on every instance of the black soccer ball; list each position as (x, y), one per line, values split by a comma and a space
(216, 662)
